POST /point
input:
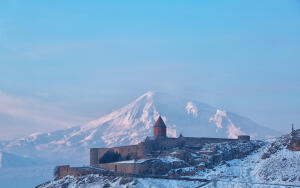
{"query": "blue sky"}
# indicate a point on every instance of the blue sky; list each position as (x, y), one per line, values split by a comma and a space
(66, 62)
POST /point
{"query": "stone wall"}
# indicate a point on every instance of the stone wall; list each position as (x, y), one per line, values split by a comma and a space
(169, 143)
(126, 152)
(66, 170)
(148, 167)
(295, 144)
(127, 168)
(244, 137)
(144, 150)
(151, 146)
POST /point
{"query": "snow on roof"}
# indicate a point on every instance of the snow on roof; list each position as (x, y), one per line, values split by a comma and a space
(133, 161)
(169, 159)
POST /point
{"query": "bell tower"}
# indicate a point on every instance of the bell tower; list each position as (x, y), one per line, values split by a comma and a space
(160, 128)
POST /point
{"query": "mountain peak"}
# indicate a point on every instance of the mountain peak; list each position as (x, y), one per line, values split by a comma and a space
(132, 123)
(148, 95)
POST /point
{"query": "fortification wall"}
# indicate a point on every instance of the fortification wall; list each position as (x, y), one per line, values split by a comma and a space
(148, 147)
(94, 156)
(244, 137)
(66, 170)
(127, 168)
(148, 167)
(126, 152)
(191, 141)
(169, 143)
(295, 144)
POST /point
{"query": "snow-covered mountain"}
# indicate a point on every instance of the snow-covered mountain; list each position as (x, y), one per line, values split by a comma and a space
(132, 123)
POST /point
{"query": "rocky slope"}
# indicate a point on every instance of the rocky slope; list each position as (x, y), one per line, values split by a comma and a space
(131, 124)
(281, 166)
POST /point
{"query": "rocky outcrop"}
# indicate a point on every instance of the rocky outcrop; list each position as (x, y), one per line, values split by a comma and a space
(213, 154)
(290, 141)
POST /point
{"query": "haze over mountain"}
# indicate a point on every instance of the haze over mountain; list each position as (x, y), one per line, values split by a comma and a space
(132, 124)
(8, 160)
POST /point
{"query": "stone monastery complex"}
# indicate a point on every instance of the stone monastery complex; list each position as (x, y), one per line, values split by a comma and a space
(149, 157)
(151, 146)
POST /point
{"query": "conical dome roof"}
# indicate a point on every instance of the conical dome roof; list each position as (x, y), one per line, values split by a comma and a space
(160, 123)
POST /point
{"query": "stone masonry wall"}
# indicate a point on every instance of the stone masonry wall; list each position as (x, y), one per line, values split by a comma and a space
(126, 152)
(127, 168)
(144, 148)
(295, 144)
(66, 170)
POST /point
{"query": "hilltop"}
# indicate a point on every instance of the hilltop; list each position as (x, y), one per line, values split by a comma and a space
(234, 164)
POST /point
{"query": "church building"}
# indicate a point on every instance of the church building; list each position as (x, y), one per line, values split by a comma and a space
(160, 129)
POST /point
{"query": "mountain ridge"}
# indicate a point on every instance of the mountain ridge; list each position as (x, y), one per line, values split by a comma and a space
(133, 123)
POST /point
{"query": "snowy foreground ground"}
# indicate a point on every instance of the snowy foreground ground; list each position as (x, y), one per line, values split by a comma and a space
(96, 181)
(280, 169)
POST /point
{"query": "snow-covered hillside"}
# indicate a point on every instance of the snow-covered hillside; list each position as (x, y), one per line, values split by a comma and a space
(131, 124)
(280, 169)
(282, 166)
(96, 181)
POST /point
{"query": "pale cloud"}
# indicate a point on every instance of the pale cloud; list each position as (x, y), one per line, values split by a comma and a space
(36, 111)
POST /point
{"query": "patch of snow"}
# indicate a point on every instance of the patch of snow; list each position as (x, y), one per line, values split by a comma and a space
(163, 183)
(218, 118)
(96, 181)
(32, 137)
(191, 109)
(221, 119)
(133, 161)
(282, 168)
(169, 159)
(233, 131)
(58, 142)
(174, 153)
(89, 137)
